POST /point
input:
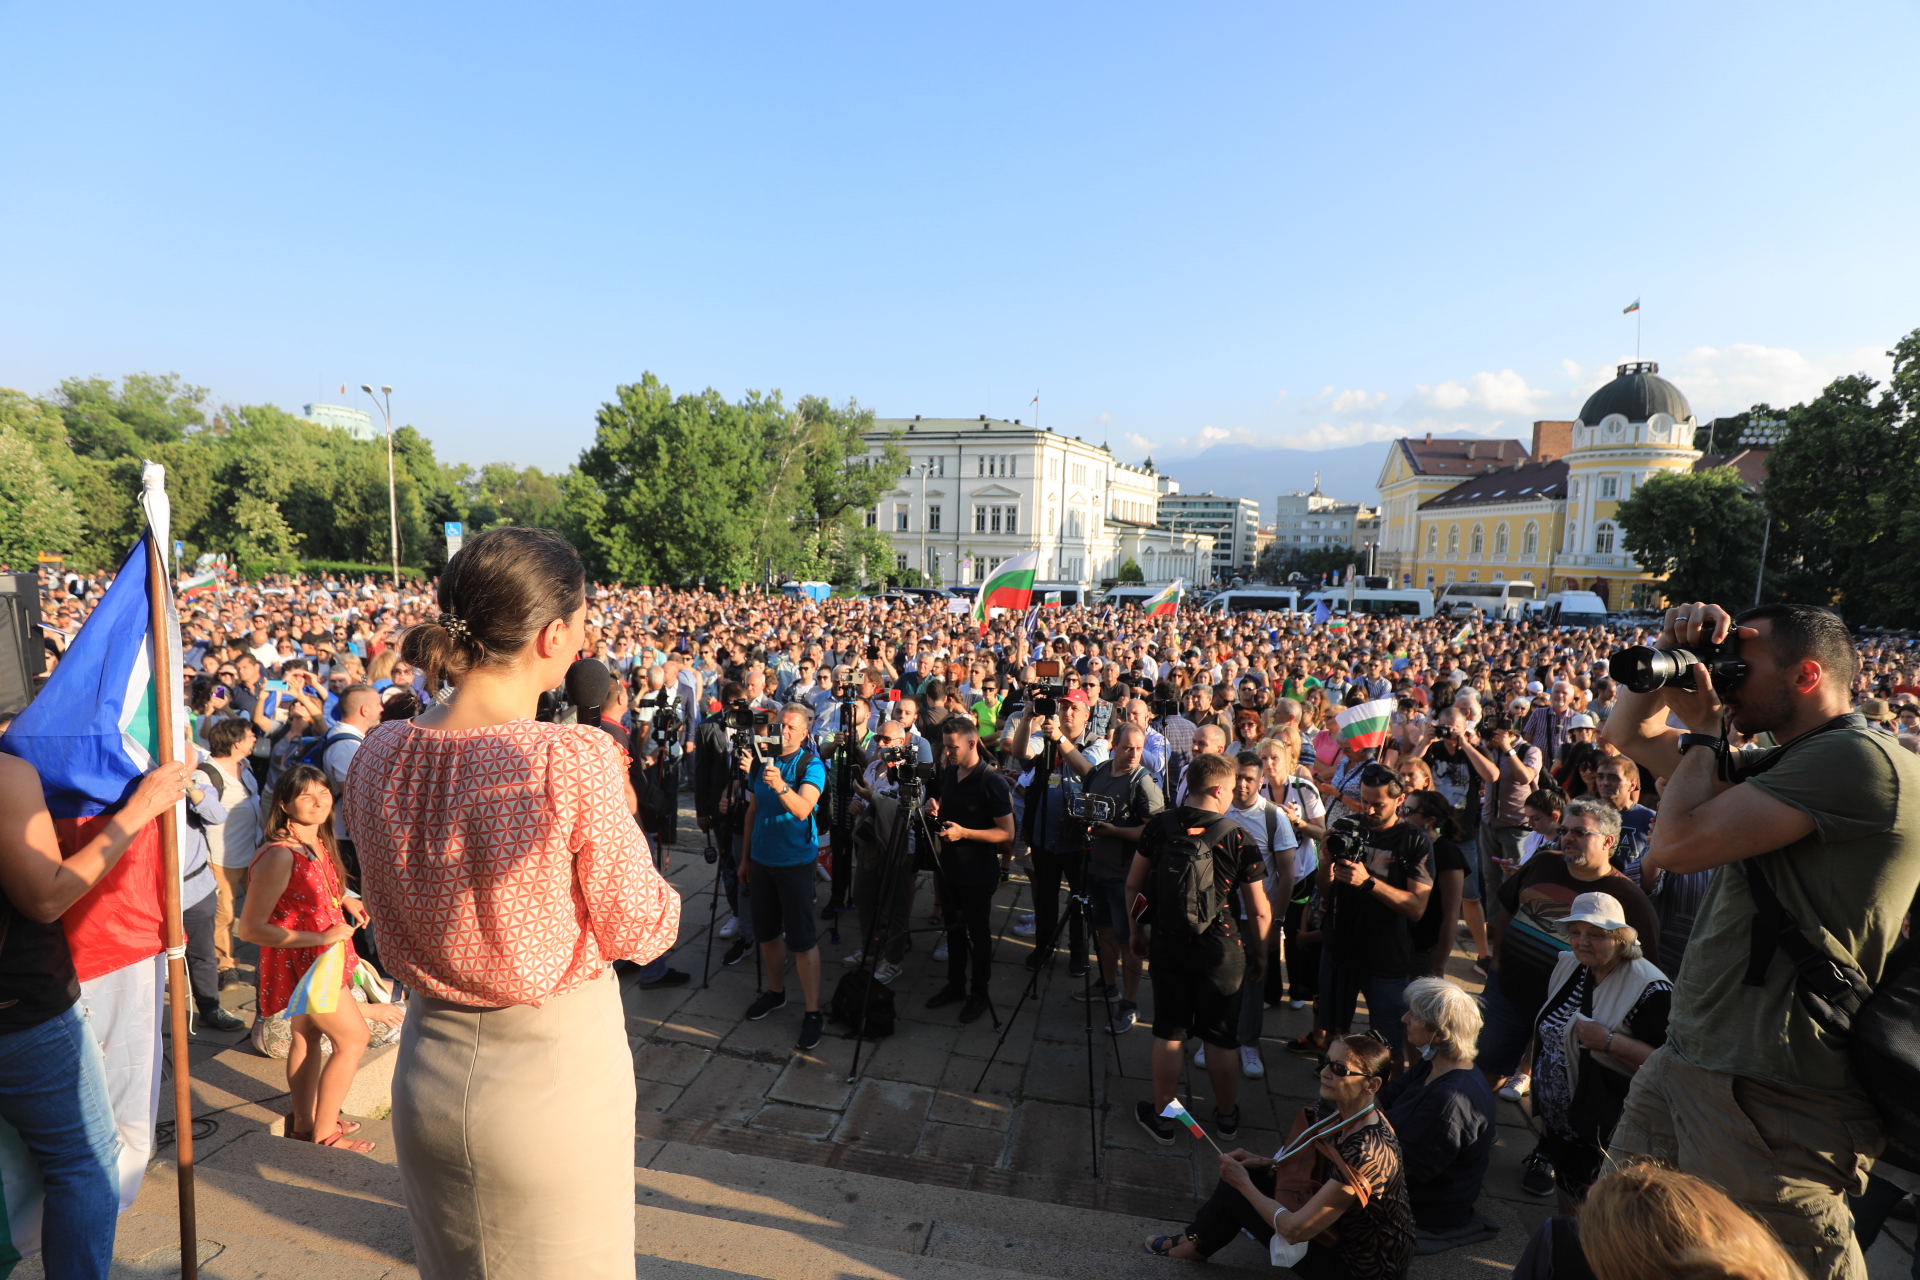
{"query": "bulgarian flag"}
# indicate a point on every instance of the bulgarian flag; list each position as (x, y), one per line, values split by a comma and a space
(1630, 308)
(91, 733)
(1461, 635)
(1009, 587)
(1168, 601)
(1175, 1111)
(1365, 725)
(1050, 600)
(200, 582)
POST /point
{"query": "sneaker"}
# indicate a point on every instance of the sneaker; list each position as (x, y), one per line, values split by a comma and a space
(737, 952)
(940, 951)
(1124, 1018)
(853, 957)
(1025, 926)
(1078, 968)
(886, 971)
(1536, 1176)
(973, 1008)
(731, 927)
(1200, 1058)
(766, 1003)
(1481, 966)
(1308, 1045)
(1158, 1127)
(945, 996)
(1228, 1125)
(1109, 992)
(810, 1028)
(1250, 1065)
(1297, 1004)
(671, 978)
(1516, 1087)
(214, 1018)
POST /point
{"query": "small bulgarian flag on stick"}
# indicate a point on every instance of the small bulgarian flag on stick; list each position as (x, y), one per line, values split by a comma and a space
(1365, 725)
(1008, 587)
(1168, 601)
(200, 582)
(1174, 1111)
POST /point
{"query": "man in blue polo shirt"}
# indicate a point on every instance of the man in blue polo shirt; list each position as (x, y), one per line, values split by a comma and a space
(776, 863)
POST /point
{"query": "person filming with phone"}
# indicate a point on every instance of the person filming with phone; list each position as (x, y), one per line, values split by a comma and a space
(1817, 837)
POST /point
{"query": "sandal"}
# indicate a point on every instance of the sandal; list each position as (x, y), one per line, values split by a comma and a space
(306, 1135)
(1163, 1246)
(339, 1141)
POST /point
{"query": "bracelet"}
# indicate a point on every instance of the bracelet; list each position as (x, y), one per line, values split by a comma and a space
(1609, 1045)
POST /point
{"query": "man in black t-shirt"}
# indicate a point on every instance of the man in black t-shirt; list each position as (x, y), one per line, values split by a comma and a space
(972, 808)
(1375, 901)
(1196, 980)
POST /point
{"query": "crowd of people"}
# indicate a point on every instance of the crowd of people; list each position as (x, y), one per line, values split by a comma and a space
(395, 767)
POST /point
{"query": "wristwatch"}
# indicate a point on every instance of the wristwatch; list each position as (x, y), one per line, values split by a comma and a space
(1699, 740)
(1369, 883)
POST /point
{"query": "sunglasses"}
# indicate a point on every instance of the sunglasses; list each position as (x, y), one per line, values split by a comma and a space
(1340, 1069)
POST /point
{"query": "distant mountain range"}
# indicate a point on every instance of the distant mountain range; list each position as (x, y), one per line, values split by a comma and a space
(1261, 472)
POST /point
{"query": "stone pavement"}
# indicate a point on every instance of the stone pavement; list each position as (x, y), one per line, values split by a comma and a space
(915, 1169)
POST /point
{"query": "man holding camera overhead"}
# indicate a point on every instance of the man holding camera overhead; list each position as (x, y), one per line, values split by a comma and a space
(1751, 1091)
(1052, 833)
(1131, 798)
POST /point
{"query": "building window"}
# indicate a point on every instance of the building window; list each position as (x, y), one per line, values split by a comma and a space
(1053, 468)
(1530, 540)
(1477, 545)
(996, 519)
(1078, 473)
(933, 518)
(1449, 575)
(1609, 486)
(1603, 538)
(1526, 576)
(1013, 519)
(1473, 575)
(899, 519)
(1500, 539)
(900, 560)
(873, 518)
(1433, 539)
(1575, 495)
(1453, 542)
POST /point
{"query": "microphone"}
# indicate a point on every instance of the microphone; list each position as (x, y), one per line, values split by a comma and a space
(587, 685)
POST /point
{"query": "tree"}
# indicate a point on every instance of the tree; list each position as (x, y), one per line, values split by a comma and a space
(1277, 563)
(1130, 571)
(40, 515)
(1699, 530)
(104, 421)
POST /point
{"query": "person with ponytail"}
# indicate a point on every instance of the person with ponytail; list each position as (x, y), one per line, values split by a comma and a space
(504, 872)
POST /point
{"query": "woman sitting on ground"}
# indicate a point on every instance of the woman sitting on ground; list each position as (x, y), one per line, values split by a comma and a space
(1347, 1175)
(296, 907)
(1443, 1111)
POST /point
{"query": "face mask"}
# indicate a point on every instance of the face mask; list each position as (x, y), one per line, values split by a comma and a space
(1428, 1050)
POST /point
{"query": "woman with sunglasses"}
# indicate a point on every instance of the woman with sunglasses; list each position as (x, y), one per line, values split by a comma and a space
(1339, 1185)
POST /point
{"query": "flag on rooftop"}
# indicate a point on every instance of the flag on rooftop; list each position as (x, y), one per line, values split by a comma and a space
(1008, 587)
(1365, 725)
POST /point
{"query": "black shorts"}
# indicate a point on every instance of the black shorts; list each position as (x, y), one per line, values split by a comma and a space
(1196, 989)
(782, 902)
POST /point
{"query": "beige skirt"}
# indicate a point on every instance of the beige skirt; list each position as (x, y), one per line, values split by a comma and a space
(514, 1131)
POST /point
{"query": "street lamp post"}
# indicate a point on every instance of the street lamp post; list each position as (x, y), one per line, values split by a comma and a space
(393, 501)
(925, 469)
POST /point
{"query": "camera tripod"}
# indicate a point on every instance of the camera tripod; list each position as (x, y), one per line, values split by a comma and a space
(896, 861)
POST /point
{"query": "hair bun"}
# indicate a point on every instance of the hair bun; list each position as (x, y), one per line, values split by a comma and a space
(455, 626)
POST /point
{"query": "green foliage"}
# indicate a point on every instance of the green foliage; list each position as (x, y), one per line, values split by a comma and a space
(104, 421)
(40, 515)
(1844, 490)
(1130, 572)
(1275, 563)
(1699, 530)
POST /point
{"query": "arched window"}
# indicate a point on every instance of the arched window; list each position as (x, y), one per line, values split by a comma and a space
(1453, 539)
(1478, 543)
(1433, 539)
(1530, 540)
(1603, 538)
(1500, 539)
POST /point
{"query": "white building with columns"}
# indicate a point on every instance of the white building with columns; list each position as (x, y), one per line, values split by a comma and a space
(979, 491)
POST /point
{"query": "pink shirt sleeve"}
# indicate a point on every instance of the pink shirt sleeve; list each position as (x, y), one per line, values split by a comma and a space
(629, 908)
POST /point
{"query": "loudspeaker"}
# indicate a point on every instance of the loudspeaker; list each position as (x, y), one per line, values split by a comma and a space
(23, 651)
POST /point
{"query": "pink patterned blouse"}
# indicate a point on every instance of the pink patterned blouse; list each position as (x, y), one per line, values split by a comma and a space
(501, 865)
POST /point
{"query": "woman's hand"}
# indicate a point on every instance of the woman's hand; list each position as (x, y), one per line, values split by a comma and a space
(1234, 1173)
(341, 932)
(1591, 1035)
(163, 786)
(356, 911)
(391, 1014)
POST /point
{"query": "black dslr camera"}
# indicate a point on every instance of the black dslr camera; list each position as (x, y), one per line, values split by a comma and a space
(666, 724)
(1091, 808)
(1049, 686)
(1644, 668)
(1347, 840)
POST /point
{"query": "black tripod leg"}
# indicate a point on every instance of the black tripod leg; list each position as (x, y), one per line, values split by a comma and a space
(1120, 972)
(874, 941)
(1093, 1088)
(1032, 989)
(713, 913)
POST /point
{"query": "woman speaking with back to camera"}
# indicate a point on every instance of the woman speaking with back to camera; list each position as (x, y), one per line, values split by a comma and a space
(504, 871)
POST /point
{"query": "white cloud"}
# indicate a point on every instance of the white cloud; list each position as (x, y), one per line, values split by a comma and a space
(1725, 380)
(1334, 435)
(1213, 435)
(1358, 401)
(1105, 417)
(1502, 392)
(1139, 442)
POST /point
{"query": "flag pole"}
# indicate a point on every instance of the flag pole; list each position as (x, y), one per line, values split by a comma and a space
(165, 679)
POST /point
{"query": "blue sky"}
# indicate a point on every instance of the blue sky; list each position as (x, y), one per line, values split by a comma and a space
(1303, 226)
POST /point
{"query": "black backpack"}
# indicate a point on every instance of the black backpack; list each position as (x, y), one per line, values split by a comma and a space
(1186, 891)
(315, 752)
(1885, 1047)
(863, 1005)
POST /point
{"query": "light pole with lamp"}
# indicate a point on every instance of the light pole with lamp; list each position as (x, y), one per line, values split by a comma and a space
(925, 469)
(393, 501)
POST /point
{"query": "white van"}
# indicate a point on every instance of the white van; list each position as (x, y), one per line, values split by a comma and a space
(1406, 602)
(1571, 609)
(1505, 600)
(1253, 600)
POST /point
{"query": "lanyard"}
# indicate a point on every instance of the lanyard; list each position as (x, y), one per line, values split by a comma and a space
(1332, 1124)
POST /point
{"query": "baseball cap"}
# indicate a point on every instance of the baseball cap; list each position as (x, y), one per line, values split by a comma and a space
(1534, 686)
(1601, 910)
(1075, 694)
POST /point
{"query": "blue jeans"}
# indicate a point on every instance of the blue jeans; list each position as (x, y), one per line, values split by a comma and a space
(1340, 992)
(53, 1090)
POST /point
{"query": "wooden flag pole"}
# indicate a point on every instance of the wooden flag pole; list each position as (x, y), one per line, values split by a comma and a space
(165, 679)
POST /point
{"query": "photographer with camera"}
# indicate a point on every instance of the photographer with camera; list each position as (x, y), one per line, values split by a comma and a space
(973, 810)
(1131, 798)
(1054, 837)
(657, 723)
(1815, 849)
(776, 861)
(1190, 865)
(719, 805)
(846, 762)
(1509, 770)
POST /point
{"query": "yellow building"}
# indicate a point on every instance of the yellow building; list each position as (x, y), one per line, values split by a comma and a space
(1494, 510)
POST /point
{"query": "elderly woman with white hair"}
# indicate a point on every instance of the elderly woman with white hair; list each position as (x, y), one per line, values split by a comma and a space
(1443, 1110)
(1606, 1012)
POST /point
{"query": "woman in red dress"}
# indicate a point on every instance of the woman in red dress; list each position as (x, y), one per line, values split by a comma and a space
(296, 908)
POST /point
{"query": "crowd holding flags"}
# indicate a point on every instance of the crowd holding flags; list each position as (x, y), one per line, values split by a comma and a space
(106, 716)
(1167, 603)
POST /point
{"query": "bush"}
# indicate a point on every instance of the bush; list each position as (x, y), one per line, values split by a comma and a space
(315, 567)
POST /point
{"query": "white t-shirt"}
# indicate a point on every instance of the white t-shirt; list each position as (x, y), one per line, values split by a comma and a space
(235, 842)
(1306, 854)
(1254, 820)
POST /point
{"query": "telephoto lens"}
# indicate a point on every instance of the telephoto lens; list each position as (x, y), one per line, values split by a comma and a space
(1643, 668)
